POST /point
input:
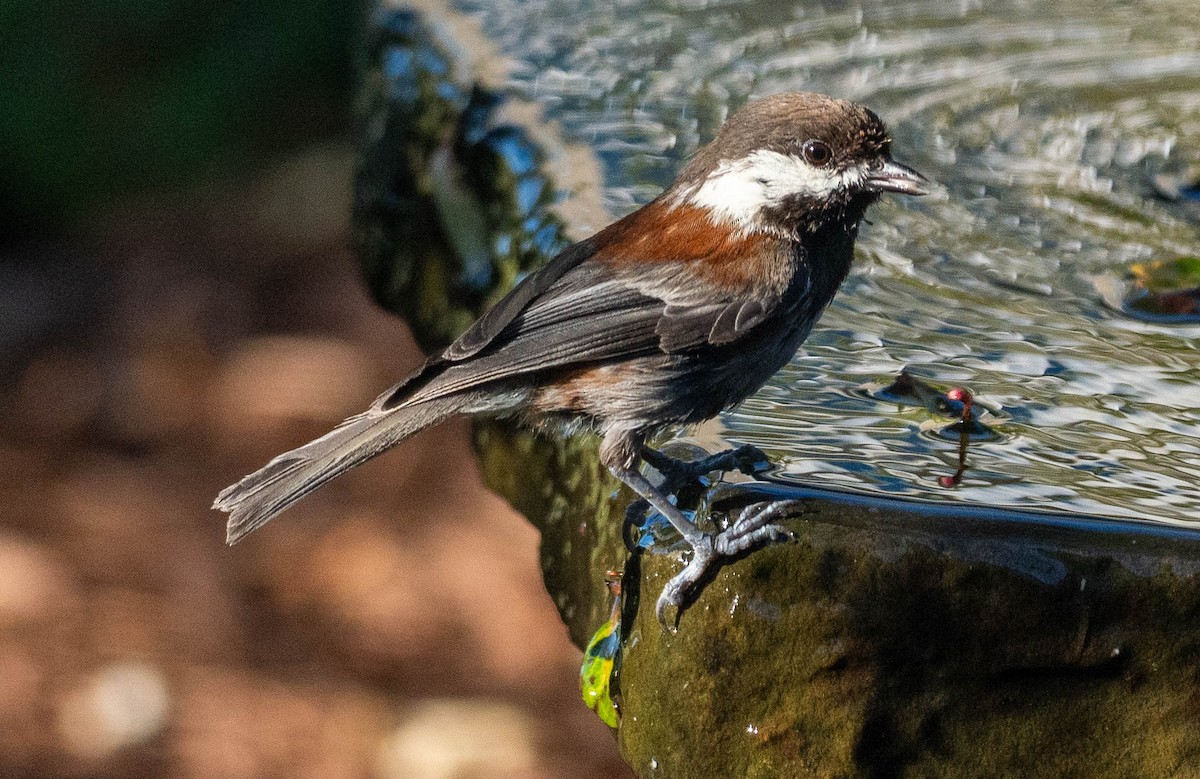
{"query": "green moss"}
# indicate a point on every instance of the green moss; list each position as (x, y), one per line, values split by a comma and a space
(841, 655)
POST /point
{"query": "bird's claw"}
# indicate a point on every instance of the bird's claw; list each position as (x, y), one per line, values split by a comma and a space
(753, 528)
(749, 459)
(681, 584)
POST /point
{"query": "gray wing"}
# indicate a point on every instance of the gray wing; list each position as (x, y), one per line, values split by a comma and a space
(586, 315)
(684, 327)
(498, 317)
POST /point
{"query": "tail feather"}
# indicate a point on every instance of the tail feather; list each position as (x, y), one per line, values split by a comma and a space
(257, 498)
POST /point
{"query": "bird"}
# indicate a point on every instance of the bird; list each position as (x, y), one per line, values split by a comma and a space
(664, 318)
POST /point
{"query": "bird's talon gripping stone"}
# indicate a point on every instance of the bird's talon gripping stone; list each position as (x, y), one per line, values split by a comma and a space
(752, 529)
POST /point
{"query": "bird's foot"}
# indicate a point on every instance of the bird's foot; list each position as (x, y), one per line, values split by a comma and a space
(754, 528)
(748, 459)
(678, 475)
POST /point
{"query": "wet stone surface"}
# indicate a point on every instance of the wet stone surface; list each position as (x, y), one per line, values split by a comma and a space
(907, 647)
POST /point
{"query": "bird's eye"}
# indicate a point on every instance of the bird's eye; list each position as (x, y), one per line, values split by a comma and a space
(817, 153)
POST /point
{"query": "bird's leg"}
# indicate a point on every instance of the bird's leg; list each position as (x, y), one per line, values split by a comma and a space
(620, 453)
(678, 475)
(659, 501)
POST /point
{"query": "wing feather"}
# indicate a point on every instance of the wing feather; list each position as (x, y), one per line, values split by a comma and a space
(578, 310)
(479, 335)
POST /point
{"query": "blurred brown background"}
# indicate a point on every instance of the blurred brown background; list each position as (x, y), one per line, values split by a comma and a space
(179, 304)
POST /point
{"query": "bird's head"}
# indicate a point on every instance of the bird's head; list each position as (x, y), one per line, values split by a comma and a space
(795, 164)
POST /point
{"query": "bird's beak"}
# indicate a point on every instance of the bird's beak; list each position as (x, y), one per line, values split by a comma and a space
(891, 176)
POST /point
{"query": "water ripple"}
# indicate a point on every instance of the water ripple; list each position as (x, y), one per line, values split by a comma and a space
(1043, 123)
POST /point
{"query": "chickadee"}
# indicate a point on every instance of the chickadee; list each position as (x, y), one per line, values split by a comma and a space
(666, 317)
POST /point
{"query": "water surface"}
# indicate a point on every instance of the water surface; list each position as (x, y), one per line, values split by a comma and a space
(1043, 122)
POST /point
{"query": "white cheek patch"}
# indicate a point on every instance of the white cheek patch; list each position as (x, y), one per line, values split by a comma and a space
(738, 191)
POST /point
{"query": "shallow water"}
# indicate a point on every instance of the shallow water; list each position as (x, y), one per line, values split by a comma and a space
(1043, 123)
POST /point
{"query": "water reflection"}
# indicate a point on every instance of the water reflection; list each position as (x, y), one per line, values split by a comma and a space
(1045, 124)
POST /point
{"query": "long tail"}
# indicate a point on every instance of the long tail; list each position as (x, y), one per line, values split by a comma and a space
(257, 498)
